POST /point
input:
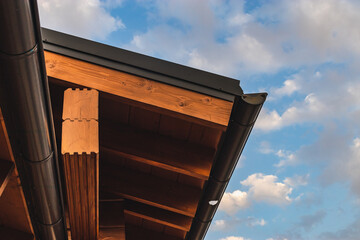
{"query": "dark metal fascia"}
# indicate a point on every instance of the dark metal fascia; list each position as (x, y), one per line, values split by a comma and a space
(245, 112)
(141, 65)
(24, 99)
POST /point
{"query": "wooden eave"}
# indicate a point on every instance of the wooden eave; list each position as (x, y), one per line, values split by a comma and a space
(14, 217)
(158, 139)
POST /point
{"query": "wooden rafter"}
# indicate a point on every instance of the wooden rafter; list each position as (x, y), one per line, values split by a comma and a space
(154, 191)
(156, 150)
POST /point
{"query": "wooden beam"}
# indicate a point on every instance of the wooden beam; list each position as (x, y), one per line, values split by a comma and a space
(13, 209)
(135, 233)
(6, 169)
(112, 234)
(158, 215)
(196, 105)
(13, 234)
(80, 153)
(112, 214)
(148, 189)
(112, 223)
(156, 150)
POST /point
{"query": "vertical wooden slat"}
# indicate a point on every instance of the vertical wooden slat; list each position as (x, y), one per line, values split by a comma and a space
(80, 150)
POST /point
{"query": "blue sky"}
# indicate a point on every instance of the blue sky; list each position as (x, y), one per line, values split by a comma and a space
(298, 177)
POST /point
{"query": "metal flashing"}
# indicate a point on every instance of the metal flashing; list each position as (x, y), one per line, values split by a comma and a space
(142, 65)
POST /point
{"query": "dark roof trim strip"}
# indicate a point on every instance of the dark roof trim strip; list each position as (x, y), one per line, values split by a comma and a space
(141, 65)
(245, 112)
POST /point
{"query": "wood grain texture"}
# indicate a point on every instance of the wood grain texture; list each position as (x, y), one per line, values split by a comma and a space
(112, 234)
(13, 210)
(112, 214)
(80, 154)
(112, 222)
(6, 169)
(80, 136)
(82, 194)
(150, 190)
(156, 150)
(134, 232)
(84, 104)
(12, 234)
(157, 215)
(139, 89)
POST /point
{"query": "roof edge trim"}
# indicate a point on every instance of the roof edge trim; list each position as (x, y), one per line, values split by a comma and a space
(142, 65)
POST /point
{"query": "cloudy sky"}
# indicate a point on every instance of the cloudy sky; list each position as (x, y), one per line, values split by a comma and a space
(299, 176)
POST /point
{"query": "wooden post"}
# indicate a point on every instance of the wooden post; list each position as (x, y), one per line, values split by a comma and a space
(80, 154)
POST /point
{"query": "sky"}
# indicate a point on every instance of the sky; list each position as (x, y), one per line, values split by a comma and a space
(299, 174)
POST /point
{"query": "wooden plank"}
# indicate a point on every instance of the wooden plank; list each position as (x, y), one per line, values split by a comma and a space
(158, 215)
(81, 135)
(80, 153)
(196, 105)
(136, 233)
(8, 233)
(112, 234)
(5, 153)
(13, 211)
(6, 169)
(84, 104)
(148, 189)
(112, 223)
(155, 150)
(112, 214)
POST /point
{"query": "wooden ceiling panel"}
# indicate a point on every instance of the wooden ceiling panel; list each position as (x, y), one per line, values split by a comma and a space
(160, 151)
(158, 215)
(135, 232)
(153, 190)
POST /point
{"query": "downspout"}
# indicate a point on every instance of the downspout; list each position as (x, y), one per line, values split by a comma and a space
(26, 107)
(242, 119)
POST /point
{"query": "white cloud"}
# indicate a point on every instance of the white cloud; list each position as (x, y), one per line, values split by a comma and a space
(258, 222)
(265, 147)
(351, 232)
(287, 158)
(297, 180)
(311, 109)
(302, 35)
(219, 225)
(234, 222)
(289, 87)
(265, 188)
(235, 238)
(345, 168)
(233, 202)
(84, 18)
(309, 221)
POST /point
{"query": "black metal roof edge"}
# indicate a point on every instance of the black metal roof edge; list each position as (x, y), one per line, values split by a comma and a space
(142, 65)
(245, 112)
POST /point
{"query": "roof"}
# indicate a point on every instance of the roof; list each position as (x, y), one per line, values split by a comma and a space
(159, 155)
(141, 65)
(170, 135)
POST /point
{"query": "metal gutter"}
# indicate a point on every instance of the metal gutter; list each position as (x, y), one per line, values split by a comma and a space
(245, 112)
(26, 107)
(141, 65)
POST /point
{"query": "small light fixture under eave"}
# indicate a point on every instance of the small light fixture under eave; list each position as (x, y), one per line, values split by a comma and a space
(213, 202)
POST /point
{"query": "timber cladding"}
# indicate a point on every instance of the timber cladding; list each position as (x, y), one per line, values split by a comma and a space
(80, 154)
(190, 104)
